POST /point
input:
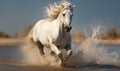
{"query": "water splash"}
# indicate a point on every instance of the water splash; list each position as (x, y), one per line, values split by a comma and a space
(96, 33)
(94, 53)
(32, 56)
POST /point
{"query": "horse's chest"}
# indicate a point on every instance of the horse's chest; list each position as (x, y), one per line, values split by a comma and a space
(61, 42)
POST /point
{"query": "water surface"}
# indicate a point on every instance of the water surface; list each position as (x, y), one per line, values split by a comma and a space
(11, 60)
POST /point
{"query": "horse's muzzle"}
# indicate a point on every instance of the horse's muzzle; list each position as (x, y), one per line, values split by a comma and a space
(68, 28)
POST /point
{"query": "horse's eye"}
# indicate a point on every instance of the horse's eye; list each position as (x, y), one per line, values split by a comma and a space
(63, 14)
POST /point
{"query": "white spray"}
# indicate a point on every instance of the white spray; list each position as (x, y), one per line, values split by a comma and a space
(31, 56)
(92, 52)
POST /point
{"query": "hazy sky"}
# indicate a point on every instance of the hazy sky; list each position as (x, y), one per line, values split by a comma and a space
(15, 15)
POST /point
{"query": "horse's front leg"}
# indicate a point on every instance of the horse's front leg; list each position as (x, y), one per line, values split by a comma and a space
(69, 53)
(55, 49)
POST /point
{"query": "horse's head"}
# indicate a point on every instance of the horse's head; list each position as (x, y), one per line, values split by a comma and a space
(62, 12)
(66, 17)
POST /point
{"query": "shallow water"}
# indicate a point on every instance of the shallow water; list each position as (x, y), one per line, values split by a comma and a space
(53, 68)
(11, 59)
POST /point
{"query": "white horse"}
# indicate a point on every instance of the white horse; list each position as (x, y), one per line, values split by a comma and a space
(54, 32)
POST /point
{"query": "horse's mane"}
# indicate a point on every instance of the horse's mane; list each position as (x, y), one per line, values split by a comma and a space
(54, 10)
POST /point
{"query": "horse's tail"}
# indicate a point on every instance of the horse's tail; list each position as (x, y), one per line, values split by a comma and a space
(29, 39)
(29, 34)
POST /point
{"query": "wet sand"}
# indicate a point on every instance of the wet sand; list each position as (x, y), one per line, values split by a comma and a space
(39, 68)
(10, 41)
(6, 65)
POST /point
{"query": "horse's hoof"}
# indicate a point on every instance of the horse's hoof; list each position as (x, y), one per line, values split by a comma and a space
(63, 64)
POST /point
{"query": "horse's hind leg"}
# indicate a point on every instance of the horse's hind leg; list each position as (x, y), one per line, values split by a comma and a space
(40, 46)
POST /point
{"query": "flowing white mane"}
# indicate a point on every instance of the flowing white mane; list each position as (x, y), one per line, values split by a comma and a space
(54, 10)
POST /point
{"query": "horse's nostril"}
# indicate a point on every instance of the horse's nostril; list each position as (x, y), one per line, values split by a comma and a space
(67, 28)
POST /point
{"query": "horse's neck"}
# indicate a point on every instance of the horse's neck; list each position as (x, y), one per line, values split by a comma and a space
(60, 27)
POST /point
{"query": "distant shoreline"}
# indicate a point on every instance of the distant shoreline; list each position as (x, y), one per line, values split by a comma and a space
(17, 41)
(101, 41)
(10, 41)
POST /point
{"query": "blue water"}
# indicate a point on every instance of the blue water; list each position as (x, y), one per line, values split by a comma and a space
(15, 54)
(11, 53)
